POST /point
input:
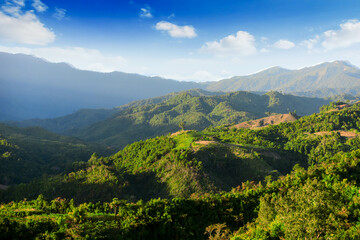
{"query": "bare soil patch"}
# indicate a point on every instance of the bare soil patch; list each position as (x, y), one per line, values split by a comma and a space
(343, 133)
(178, 132)
(263, 122)
(205, 142)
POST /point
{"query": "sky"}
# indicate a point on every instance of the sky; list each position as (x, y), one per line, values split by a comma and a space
(188, 40)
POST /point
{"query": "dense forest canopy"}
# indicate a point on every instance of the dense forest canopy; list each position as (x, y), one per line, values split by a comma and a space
(305, 185)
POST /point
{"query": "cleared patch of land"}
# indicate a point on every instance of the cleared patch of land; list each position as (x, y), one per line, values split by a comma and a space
(262, 122)
(343, 133)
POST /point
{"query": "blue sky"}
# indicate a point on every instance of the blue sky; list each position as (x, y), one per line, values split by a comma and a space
(185, 40)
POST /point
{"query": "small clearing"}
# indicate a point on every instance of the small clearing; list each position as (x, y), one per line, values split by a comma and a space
(3, 187)
(263, 122)
(178, 132)
(343, 133)
(205, 142)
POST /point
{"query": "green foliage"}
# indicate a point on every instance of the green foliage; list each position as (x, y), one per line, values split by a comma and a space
(193, 111)
(156, 219)
(189, 170)
(29, 153)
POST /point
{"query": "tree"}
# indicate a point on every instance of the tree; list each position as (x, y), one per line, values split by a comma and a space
(182, 125)
(114, 205)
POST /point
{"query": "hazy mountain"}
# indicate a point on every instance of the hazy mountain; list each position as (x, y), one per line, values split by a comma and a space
(85, 117)
(322, 80)
(34, 88)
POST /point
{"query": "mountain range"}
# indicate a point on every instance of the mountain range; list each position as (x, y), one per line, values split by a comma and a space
(330, 78)
(34, 88)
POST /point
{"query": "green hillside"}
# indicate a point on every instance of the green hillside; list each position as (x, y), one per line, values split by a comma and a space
(177, 165)
(195, 112)
(28, 153)
(189, 169)
(86, 117)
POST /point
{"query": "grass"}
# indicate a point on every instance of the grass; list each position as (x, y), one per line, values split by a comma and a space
(185, 139)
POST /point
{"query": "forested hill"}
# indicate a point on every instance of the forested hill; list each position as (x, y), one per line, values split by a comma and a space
(189, 169)
(86, 117)
(193, 112)
(29, 153)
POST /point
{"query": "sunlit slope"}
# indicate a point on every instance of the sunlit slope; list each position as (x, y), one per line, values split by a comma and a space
(195, 112)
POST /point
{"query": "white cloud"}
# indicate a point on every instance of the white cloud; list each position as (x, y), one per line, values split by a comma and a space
(18, 2)
(23, 27)
(284, 44)
(13, 7)
(242, 44)
(82, 58)
(346, 36)
(39, 6)
(145, 12)
(176, 31)
(59, 13)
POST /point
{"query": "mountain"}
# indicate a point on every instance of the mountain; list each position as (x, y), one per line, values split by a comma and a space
(29, 153)
(194, 112)
(34, 88)
(47, 90)
(327, 79)
(86, 117)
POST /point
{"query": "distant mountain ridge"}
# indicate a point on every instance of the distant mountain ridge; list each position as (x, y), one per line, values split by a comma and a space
(86, 117)
(327, 78)
(34, 88)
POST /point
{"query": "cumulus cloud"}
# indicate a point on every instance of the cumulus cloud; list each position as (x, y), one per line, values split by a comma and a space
(59, 13)
(241, 44)
(284, 44)
(176, 31)
(82, 58)
(39, 6)
(145, 12)
(346, 36)
(23, 27)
